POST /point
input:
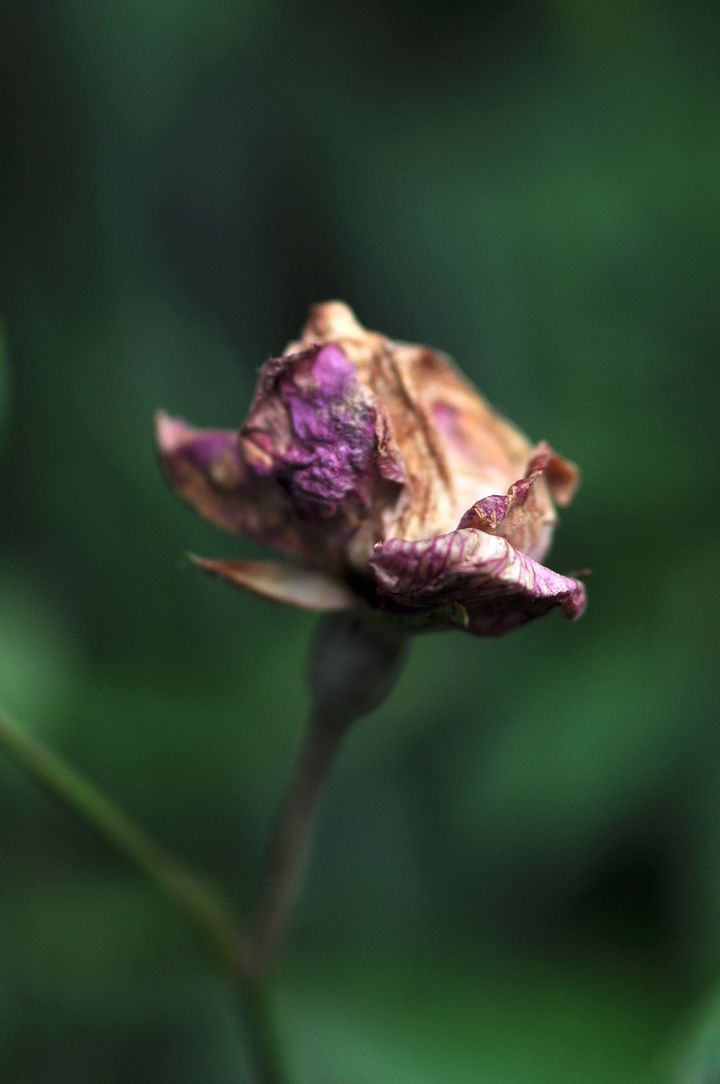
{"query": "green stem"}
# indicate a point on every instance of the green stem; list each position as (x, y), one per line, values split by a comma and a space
(198, 900)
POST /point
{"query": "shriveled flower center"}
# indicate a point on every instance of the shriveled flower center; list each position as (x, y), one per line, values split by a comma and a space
(333, 427)
(313, 429)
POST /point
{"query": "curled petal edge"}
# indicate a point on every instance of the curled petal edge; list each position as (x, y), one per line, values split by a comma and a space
(206, 468)
(487, 513)
(499, 587)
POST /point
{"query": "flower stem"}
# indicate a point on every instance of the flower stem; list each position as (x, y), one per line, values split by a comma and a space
(354, 663)
(197, 899)
(291, 837)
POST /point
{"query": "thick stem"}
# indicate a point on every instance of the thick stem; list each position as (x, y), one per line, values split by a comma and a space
(291, 837)
(200, 902)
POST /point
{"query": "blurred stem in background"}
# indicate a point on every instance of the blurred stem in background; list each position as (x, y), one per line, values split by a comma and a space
(199, 901)
(353, 666)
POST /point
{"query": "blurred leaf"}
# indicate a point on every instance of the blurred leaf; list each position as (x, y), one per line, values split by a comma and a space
(692, 1055)
(394, 1020)
(577, 747)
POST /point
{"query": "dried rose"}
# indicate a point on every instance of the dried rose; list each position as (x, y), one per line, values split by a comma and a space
(388, 478)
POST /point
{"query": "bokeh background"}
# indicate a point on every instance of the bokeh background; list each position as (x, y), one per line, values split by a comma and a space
(517, 876)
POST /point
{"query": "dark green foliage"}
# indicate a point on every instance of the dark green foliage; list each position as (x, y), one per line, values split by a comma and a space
(517, 877)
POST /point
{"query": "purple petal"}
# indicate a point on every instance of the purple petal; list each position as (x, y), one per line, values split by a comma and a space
(206, 468)
(319, 432)
(499, 587)
(289, 584)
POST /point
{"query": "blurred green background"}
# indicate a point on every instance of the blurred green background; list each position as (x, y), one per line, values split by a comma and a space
(517, 876)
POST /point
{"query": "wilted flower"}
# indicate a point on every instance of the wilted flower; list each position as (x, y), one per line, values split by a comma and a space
(387, 477)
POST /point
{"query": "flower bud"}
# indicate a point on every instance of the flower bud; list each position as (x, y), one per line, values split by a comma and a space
(389, 478)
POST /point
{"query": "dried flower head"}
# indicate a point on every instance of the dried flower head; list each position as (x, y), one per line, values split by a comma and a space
(388, 478)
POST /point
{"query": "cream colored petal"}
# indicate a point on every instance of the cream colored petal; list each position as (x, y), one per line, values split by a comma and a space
(290, 584)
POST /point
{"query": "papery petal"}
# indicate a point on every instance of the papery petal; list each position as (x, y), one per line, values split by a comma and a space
(488, 513)
(206, 468)
(499, 587)
(524, 515)
(320, 433)
(290, 584)
(563, 478)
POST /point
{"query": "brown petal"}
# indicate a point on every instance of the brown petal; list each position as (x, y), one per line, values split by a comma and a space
(563, 478)
(525, 515)
(293, 585)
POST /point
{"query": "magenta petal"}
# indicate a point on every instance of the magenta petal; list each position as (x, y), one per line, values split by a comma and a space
(206, 468)
(319, 432)
(499, 587)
